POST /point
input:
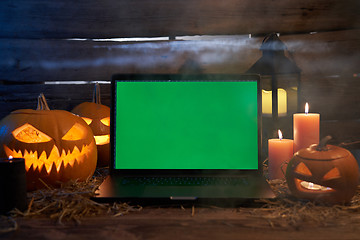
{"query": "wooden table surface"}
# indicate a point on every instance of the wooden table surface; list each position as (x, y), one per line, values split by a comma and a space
(178, 222)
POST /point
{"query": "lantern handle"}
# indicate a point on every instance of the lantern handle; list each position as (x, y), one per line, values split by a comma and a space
(273, 43)
(268, 37)
(322, 144)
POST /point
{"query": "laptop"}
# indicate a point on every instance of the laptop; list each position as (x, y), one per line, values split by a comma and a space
(192, 138)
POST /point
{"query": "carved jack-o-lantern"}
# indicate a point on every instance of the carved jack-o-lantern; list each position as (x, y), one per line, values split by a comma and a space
(323, 173)
(57, 145)
(97, 116)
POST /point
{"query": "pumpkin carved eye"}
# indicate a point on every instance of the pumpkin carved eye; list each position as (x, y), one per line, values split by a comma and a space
(87, 120)
(29, 134)
(303, 169)
(332, 174)
(76, 132)
(106, 121)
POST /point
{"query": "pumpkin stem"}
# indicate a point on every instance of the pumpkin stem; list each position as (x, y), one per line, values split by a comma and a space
(322, 144)
(42, 103)
(96, 95)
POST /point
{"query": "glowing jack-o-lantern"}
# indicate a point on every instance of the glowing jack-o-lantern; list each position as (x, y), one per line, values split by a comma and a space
(323, 173)
(97, 116)
(57, 145)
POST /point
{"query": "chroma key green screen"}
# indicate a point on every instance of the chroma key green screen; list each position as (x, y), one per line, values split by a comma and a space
(186, 125)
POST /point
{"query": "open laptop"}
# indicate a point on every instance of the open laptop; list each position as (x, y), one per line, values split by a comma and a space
(185, 138)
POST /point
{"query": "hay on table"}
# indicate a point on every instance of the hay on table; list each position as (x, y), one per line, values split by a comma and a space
(285, 210)
(72, 201)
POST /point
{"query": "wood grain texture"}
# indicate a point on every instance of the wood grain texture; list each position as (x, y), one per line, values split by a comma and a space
(164, 223)
(328, 62)
(138, 18)
(56, 60)
(324, 54)
(61, 96)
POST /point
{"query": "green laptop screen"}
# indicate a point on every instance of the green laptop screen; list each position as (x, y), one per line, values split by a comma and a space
(186, 125)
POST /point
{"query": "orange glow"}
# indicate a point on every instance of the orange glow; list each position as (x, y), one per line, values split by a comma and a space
(87, 120)
(29, 134)
(303, 169)
(106, 121)
(102, 139)
(313, 187)
(332, 174)
(42, 160)
(77, 132)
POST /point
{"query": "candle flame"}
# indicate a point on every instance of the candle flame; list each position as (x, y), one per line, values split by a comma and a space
(280, 134)
(11, 157)
(306, 108)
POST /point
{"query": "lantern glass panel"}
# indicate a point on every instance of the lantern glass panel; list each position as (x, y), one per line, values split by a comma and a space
(288, 86)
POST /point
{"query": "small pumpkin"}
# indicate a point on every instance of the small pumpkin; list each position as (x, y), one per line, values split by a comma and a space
(56, 144)
(97, 116)
(325, 173)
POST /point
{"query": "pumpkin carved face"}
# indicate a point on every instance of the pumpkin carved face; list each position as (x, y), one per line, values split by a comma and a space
(97, 116)
(330, 175)
(56, 145)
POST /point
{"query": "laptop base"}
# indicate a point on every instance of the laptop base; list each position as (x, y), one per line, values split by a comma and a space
(113, 189)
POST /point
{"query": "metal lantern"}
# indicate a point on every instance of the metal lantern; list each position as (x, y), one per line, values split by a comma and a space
(280, 83)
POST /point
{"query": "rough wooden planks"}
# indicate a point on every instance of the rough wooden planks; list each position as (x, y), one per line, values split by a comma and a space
(51, 60)
(324, 54)
(59, 96)
(177, 222)
(328, 62)
(122, 18)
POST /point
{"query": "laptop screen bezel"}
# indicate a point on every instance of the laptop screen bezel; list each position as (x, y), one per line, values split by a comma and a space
(180, 77)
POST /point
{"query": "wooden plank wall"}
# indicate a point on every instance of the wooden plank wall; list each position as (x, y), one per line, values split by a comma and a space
(322, 36)
(123, 18)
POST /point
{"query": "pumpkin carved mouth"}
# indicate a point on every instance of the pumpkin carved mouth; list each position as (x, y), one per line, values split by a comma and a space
(54, 159)
(102, 139)
(309, 186)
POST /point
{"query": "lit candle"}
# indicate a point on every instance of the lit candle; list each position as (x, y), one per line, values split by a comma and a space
(280, 150)
(306, 129)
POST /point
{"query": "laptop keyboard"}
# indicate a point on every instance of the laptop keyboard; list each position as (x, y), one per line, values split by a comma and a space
(185, 181)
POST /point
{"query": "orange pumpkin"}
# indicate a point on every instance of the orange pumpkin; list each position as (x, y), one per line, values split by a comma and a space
(57, 145)
(97, 116)
(323, 173)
